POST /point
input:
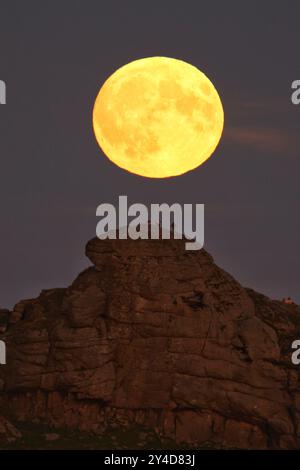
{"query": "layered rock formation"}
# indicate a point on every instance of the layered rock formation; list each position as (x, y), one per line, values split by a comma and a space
(155, 335)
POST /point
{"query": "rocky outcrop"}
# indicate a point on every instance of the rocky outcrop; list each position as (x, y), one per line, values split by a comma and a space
(162, 337)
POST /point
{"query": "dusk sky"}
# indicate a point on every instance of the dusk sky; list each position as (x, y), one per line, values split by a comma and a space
(54, 57)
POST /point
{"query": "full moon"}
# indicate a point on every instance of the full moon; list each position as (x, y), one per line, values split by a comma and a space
(158, 117)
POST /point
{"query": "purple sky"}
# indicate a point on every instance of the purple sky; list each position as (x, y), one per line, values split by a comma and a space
(54, 56)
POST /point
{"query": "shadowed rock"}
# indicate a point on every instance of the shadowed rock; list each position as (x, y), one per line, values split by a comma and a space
(8, 432)
(155, 335)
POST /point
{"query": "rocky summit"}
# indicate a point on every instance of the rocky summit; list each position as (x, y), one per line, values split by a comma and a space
(155, 336)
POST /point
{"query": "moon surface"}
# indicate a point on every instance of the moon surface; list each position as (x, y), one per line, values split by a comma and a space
(158, 117)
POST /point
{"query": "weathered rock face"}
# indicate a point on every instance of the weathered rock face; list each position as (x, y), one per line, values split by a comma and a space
(156, 335)
(8, 432)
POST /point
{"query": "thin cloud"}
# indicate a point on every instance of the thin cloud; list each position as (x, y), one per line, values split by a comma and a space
(266, 139)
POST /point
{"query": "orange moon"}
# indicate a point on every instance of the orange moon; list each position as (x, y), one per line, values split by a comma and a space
(158, 117)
